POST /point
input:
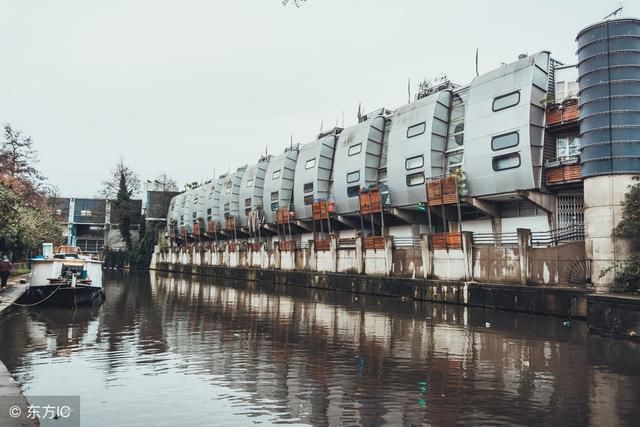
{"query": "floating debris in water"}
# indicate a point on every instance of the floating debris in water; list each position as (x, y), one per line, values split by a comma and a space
(487, 325)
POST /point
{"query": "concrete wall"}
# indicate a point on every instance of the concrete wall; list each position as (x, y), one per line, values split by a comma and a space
(496, 264)
(558, 265)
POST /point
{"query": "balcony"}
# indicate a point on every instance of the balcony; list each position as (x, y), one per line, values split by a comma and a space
(563, 113)
(563, 171)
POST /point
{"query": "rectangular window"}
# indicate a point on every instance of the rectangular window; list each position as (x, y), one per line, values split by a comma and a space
(226, 207)
(560, 90)
(507, 140)
(353, 177)
(508, 161)
(354, 149)
(506, 101)
(86, 213)
(353, 191)
(275, 174)
(415, 179)
(416, 130)
(250, 183)
(274, 206)
(247, 202)
(568, 147)
(310, 163)
(414, 162)
(308, 187)
(208, 211)
(274, 195)
(193, 214)
(308, 200)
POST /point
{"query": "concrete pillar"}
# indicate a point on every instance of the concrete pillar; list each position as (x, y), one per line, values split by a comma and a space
(278, 255)
(313, 258)
(263, 255)
(360, 254)
(524, 246)
(333, 248)
(427, 255)
(388, 255)
(467, 250)
(603, 197)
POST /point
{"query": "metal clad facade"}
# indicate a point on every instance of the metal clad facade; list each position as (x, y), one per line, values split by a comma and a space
(609, 79)
(278, 183)
(504, 127)
(230, 195)
(416, 146)
(313, 174)
(251, 189)
(361, 162)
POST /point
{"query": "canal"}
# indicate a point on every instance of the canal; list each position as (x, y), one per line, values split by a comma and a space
(172, 350)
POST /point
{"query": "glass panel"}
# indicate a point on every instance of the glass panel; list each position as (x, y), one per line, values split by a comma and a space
(308, 187)
(353, 191)
(506, 101)
(415, 179)
(568, 147)
(455, 158)
(572, 89)
(310, 163)
(355, 149)
(508, 161)
(416, 130)
(276, 174)
(274, 206)
(308, 200)
(507, 140)
(250, 183)
(247, 202)
(353, 177)
(274, 195)
(414, 162)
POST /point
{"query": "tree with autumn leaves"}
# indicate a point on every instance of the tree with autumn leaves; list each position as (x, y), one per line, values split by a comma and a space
(27, 216)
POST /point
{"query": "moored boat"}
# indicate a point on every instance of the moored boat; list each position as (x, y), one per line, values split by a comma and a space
(68, 279)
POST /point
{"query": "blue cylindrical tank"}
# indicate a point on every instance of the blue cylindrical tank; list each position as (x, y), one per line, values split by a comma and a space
(609, 80)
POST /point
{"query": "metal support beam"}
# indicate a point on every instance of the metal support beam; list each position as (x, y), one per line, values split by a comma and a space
(350, 222)
(302, 225)
(484, 206)
(542, 200)
(410, 217)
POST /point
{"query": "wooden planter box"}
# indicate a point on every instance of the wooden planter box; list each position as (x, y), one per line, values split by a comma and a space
(230, 223)
(320, 210)
(564, 174)
(232, 247)
(287, 245)
(446, 240)
(442, 191)
(374, 242)
(558, 114)
(370, 201)
(322, 245)
(255, 247)
(284, 216)
(212, 227)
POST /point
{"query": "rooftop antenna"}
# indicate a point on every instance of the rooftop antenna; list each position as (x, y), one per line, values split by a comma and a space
(343, 119)
(291, 142)
(477, 72)
(614, 13)
(409, 89)
(359, 113)
(321, 125)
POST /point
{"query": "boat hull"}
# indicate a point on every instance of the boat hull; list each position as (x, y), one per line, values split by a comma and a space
(63, 296)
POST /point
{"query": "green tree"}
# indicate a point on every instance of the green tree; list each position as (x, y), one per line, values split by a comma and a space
(112, 185)
(122, 206)
(627, 278)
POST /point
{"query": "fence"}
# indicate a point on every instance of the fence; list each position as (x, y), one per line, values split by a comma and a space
(560, 235)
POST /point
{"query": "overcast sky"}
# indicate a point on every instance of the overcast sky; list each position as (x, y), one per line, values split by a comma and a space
(189, 87)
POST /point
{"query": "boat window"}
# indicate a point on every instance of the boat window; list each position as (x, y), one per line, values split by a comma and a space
(508, 161)
(415, 179)
(275, 174)
(274, 195)
(226, 207)
(506, 101)
(274, 206)
(247, 201)
(208, 211)
(354, 149)
(308, 187)
(250, 183)
(353, 191)
(416, 130)
(308, 200)
(507, 140)
(310, 163)
(414, 162)
(353, 177)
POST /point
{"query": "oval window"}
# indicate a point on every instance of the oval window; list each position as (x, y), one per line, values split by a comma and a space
(507, 140)
(310, 163)
(353, 177)
(414, 162)
(354, 149)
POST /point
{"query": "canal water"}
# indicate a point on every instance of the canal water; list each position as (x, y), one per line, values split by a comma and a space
(179, 351)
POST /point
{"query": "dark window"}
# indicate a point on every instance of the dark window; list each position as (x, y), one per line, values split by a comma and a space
(208, 211)
(414, 162)
(226, 207)
(353, 191)
(415, 179)
(308, 200)
(247, 212)
(506, 101)
(353, 177)
(507, 140)
(508, 161)
(308, 187)
(193, 214)
(274, 195)
(247, 201)
(310, 163)
(416, 130)
(354, 149)
(274, 206)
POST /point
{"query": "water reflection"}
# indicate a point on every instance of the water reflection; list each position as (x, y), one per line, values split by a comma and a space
(172, 350)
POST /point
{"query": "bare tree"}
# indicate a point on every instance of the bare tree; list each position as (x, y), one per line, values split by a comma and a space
(18, 157)
(294, 2)
(165, 183)
(122, 178)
